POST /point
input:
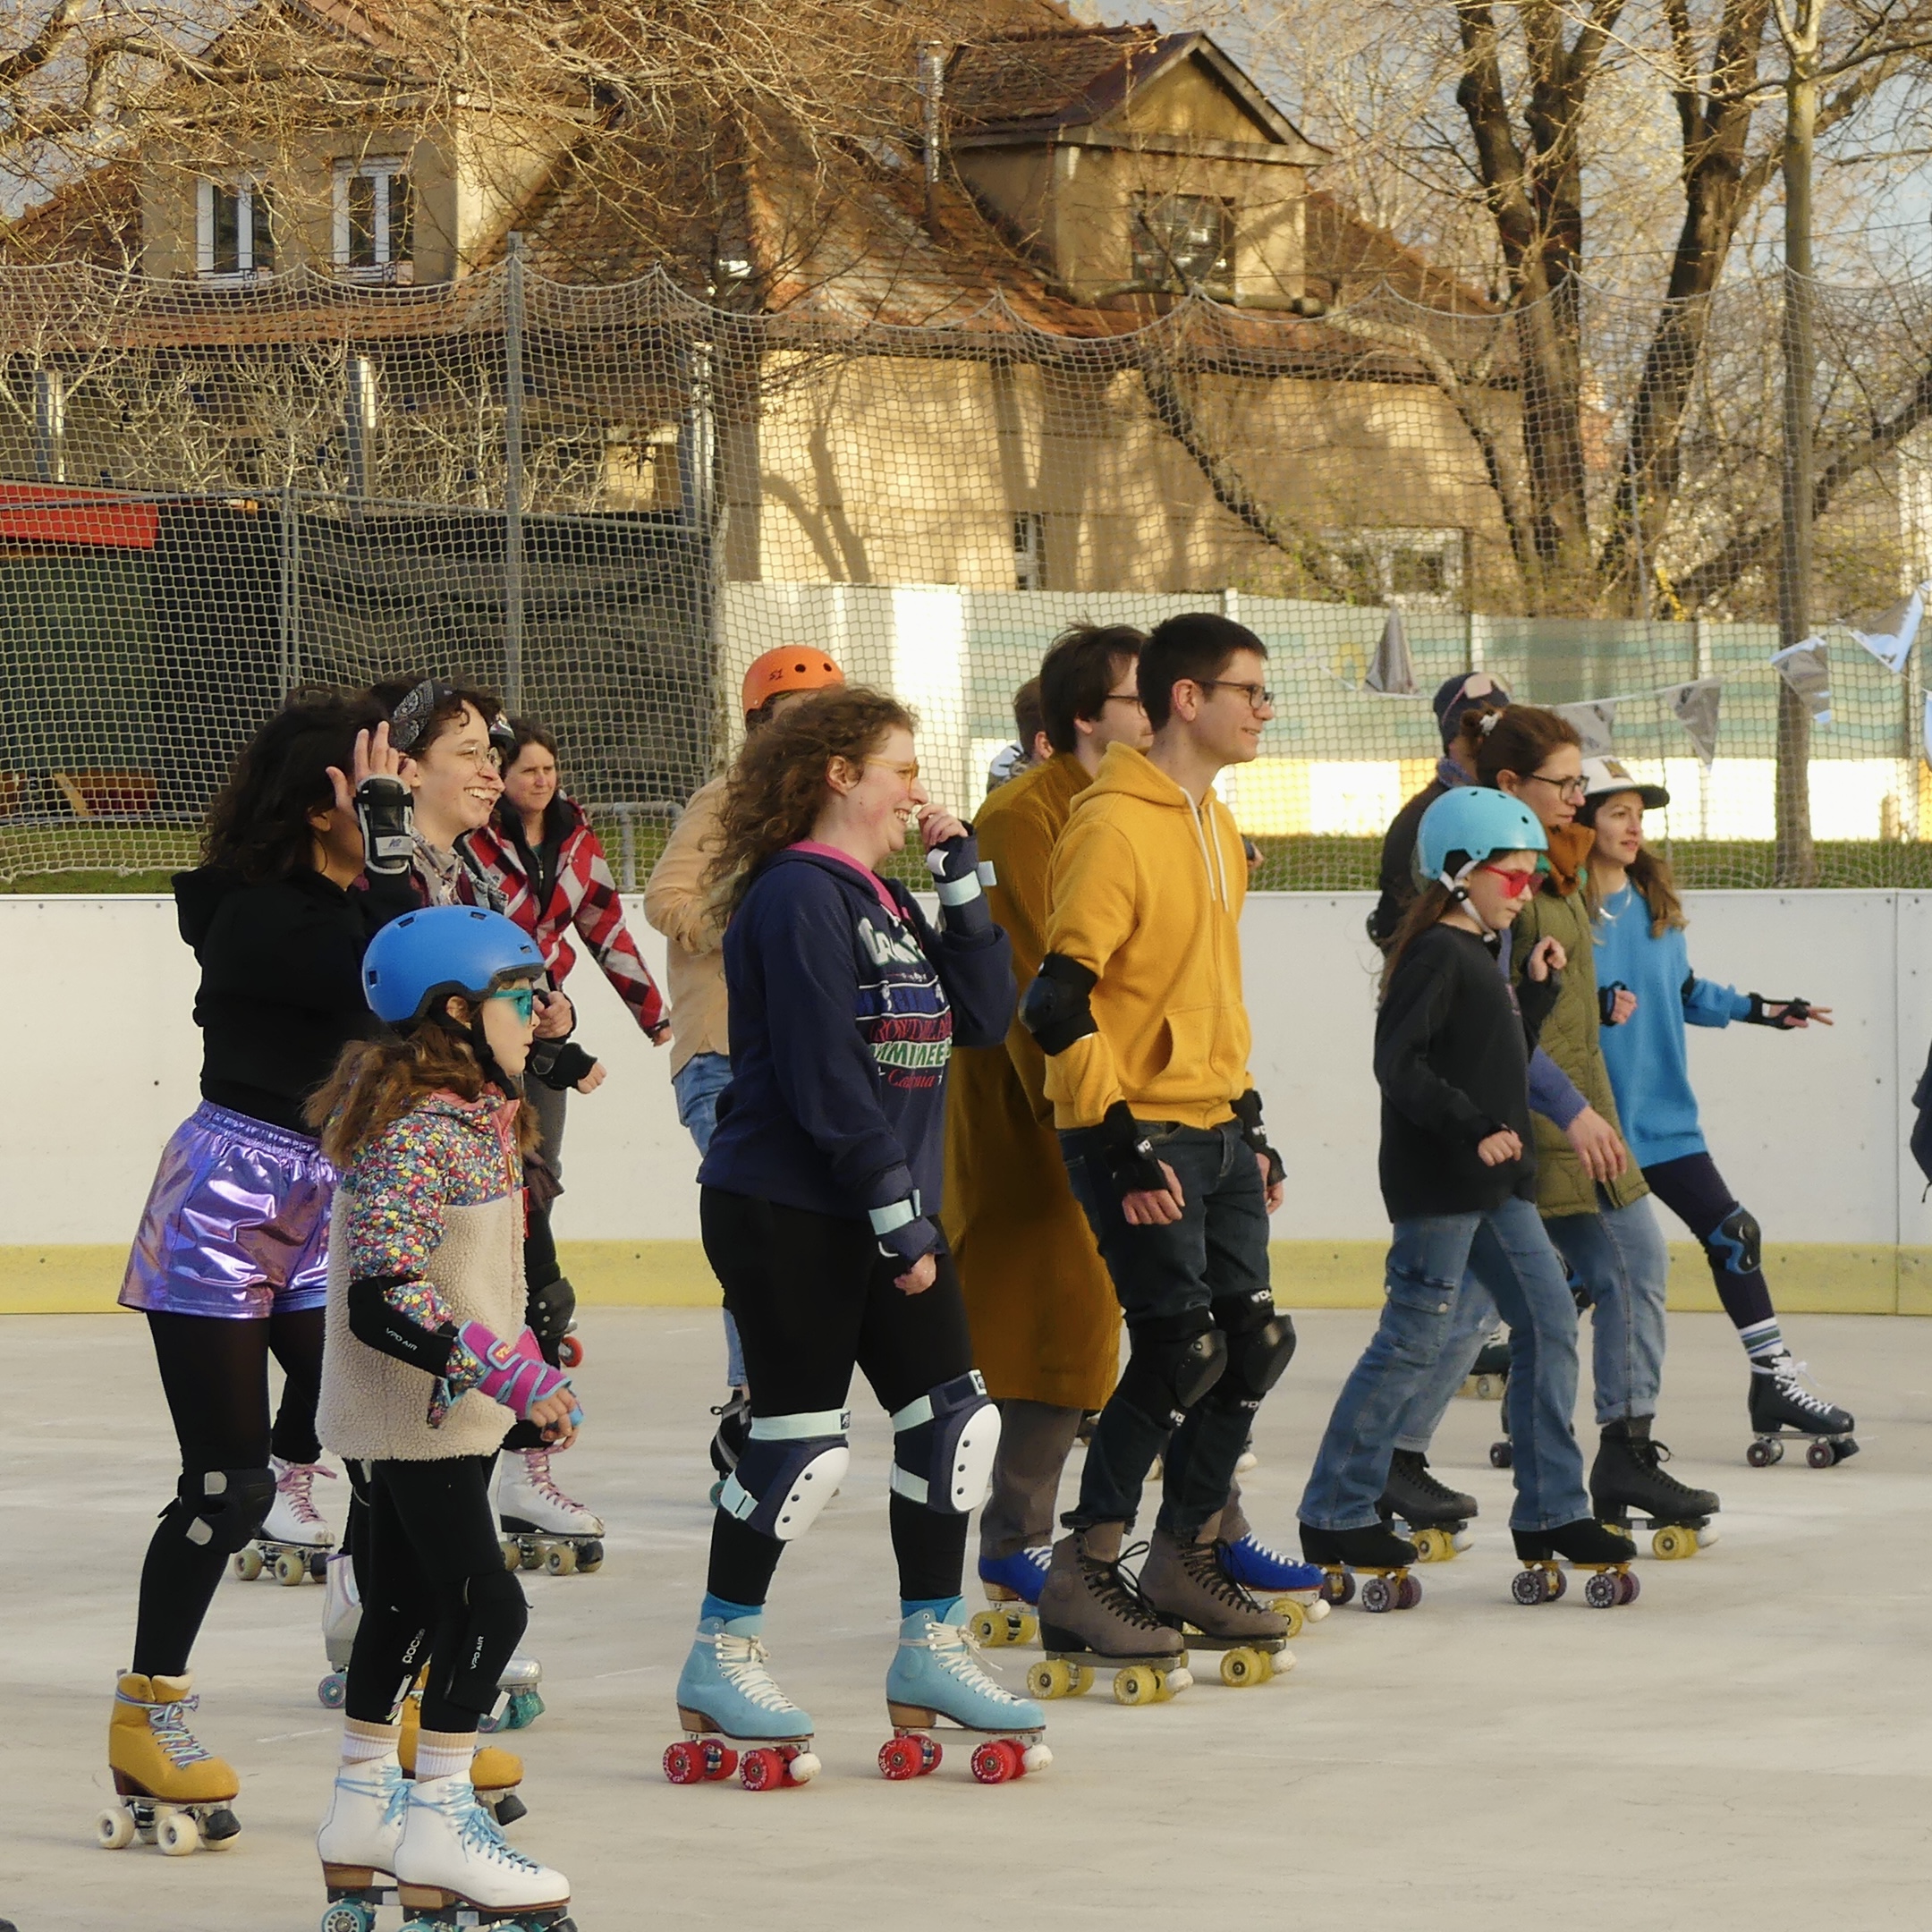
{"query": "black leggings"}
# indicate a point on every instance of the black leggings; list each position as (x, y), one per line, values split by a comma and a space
(813, 1299)
(215, 1374)
(434, 1591)
(1693, 1190)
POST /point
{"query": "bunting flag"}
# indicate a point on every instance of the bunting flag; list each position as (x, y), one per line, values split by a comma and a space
(1891, 635)
(1695, 707)
(1595, 722)
(1393, 672)
(1806, 669)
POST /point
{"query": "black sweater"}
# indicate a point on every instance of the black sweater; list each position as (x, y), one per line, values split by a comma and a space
(1451, 1056)
(280, 981)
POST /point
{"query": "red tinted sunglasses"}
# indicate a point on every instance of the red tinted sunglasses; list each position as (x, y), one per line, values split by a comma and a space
(1514, 884)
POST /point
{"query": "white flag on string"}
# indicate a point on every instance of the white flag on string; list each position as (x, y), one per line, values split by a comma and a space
(1695, 707)
(1392, 671)
(1595, 722)
(1892, 634)
(1807, 670)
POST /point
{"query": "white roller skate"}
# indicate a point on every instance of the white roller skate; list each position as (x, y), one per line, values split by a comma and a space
(295, 1540)
(543, 1527)
(342, 1617)
(358, 1843)
(453, 1867)
(936, 1672)
(726, 1699)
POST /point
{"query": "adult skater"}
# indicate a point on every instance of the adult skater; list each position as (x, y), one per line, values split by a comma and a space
(1457, 1176)
(1650, 994)
(1032, 742)
(427, 1364)
(819, 1199)
(680, 904)
(1138, 1007)
(228, 1265)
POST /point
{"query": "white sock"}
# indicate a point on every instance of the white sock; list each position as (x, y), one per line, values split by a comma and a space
(444, 1753)
(363, 1741)
(1763, 1342)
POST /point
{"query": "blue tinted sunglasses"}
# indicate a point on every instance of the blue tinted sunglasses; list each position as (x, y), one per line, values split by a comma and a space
(524, 999)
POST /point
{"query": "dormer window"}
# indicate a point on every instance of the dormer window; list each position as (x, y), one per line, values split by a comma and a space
(373, 220)
(234, 233)
(1182, 241)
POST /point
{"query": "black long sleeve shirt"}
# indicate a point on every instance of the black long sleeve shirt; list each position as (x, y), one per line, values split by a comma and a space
(1451, 1056)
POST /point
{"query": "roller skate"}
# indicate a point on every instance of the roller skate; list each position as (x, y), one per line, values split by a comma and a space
(1377, 1552)
(726, 1699)
(1292, 1591)
(1436, 1516)
(1247, 1460)
(1781, 1404)
(357, 1841)
(295, 1540)
(494, 1773)
(1090, 1614)
(1013, 1585)
(174, 1792)
(453, 1867)
(1627, 1478)
(1186, 1587)
(341, 1616)
(1488, 1374)
(935, 1675)
(543, 1527)
(1588, 1545)
(518, 1701)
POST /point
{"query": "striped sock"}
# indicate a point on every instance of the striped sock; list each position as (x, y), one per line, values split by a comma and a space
(363, 1741)
(444, 1753)
(1763, 1342)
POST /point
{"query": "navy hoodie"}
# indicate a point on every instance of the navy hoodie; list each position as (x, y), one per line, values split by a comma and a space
(842, 1017)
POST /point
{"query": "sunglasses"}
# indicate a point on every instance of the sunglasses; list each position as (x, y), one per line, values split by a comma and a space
(1514, 884)
(522, 998)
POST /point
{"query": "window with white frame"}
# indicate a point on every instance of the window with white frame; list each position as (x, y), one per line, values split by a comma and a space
(234, 229)
(1180, 241)
(374, 219)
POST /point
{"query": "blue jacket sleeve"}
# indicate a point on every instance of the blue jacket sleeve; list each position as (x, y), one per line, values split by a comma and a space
(976, 971)
(1707, 1003)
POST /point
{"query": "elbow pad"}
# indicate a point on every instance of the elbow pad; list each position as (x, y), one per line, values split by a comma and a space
(1248, 1112)
(377, 1324)
(1055, 1008)
(388, 824)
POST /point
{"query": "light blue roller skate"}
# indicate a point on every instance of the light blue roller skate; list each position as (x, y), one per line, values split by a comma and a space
(726, 1699)
(1291, 1589)
(936, 1672)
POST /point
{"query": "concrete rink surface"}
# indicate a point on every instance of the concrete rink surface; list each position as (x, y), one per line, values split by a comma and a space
(1747, 1746)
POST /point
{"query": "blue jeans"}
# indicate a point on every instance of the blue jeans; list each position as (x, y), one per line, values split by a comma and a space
(1208, 1270)
(697, 1084)
(1427, 1260)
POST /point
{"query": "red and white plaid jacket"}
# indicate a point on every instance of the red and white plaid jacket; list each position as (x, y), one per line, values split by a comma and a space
(584, 894)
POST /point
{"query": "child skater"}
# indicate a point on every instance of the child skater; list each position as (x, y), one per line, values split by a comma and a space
(1650, 994)
(428, 1362)
(1458, 1171)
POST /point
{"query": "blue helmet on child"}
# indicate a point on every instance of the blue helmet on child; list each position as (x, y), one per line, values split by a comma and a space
(1465, 826)
(423, 958)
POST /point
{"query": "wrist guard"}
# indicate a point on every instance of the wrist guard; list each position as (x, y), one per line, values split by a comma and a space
(563, 1067)
(1760, 1014)
(514, 1373)
(1606, 1000)
(902, 1231)
(960, 879)
(1128, 1151)
(1248, 1112)
(388, 823)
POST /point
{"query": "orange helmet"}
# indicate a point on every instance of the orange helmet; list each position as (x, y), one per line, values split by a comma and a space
(791, 667)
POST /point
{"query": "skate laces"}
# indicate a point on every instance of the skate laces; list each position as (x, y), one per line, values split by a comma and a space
(1204, 1565)
(1653, 1455)
(1119, 1592)
(476, 1830)
(954, 1650)
(1788, 1375)
(295, 1482)
(537, 1464)
(740, 1662)
(179, 1744)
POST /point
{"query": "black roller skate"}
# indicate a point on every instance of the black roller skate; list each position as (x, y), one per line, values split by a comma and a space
(1436, 1515)
(1488, 1374)
(1585, 1545)
(1628, 1479)
(1379, 1553)
(1781, 1404)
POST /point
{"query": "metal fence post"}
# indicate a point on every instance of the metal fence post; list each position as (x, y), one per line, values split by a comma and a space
(513, 477)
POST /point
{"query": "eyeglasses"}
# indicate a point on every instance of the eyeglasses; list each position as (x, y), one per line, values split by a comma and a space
(522, 1000)
(1573, 789)
(1260, 699)
(1514, 884)
(910, 772)
(1132, 698)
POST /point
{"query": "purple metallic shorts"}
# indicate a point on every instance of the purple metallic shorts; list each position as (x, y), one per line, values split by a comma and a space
(236, 1223)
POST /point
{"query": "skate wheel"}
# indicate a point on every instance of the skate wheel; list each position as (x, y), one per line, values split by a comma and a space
(1673, 1543)
(1632, 1586)
(1408, 1593)
(349, 1915)
(1821, 1454)
(513, 1552)
(989, 1629)
(570, 1352)
(930, 1754)
(559, 1560)
(1529, 1587)
(997, 1760)
(1025, 1628)
(114, 1829)
(332, 1691)
(684, 1763)
(247, 1563)
(1242, 1667)
(1291, 1614)
(1378, 1595)
(899, 1759)
(1050, 1678)
(1338, 1586)
(1083, 1679)
(1559, 1583)
(1139, 1684)
(1759, 1455)
(1602, 1591)
(177, 1834)
(291, 1568)
(1502, 1455)
(720, 1760)
(760, 1770)
(1434, 1546)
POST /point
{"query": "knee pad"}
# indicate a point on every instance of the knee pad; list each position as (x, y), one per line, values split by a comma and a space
(791, 1465)
(943, 1445)
(497, 1612)
(223, 1508)
(1734, 1244)
(1172, 1364)
(1257, 1357)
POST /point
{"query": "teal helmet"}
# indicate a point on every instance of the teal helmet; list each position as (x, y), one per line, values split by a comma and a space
(1464, 826)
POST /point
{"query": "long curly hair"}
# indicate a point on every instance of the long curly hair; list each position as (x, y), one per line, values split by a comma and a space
(778, 788)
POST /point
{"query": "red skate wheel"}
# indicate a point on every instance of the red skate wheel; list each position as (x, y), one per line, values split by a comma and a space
(991, 1764)
(760, 1770)
(570, 1352)
(900, 1758)
(720, 1759)
(684, 1763)
(929, 1755)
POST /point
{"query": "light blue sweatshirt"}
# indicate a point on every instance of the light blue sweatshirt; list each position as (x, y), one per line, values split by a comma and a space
(1649, 1069)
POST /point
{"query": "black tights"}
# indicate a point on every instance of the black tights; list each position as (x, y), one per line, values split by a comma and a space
(434, 1591)
(215, 1374)
(1693, 1190)
(813, 1299)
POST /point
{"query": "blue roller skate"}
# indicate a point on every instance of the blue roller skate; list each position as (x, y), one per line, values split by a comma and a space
(935, 1673)
(1013, 1585)
(726, 1698)
(1291, 1589)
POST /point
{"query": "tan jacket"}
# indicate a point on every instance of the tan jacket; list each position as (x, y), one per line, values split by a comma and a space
(679, 905)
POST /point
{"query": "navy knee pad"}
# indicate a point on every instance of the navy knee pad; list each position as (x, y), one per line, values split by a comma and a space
(1735, 1244)
(221, 1508)
(497, 1612)
(944, 1444)
(1261, 1344)
(1172, 1363)
(790, 1467)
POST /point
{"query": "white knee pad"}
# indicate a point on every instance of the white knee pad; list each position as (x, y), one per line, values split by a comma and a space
(790, 1468)
(944, 1445)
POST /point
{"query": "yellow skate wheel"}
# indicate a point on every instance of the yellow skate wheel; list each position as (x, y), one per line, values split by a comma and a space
(1291, 1614)
(989, 1628)
(1139, 1684)
(513, 1552)
(1083, 1680)
(1434, 1546)
(1242, 1667)
(1049, 1678)
(560, 1559)
(247, 1563)
(1673, 1543)
(1023, 1629)
(291, 1568)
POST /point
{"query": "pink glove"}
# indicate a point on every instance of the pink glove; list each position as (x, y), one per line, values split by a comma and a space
(514, 1373)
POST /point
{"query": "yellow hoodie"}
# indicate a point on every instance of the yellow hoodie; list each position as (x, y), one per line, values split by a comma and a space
(1147, 893)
